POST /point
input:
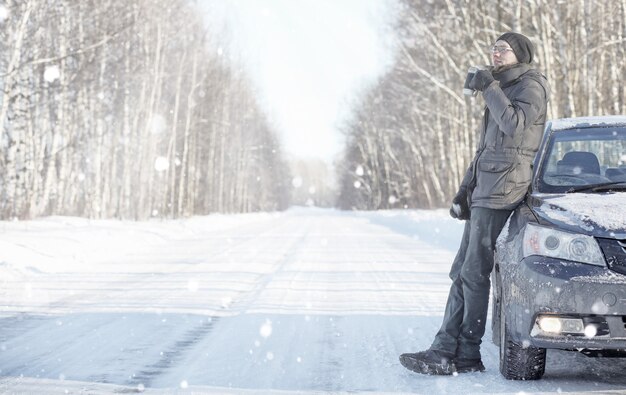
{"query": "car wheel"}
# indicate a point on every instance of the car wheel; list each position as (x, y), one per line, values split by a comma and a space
(516, 361)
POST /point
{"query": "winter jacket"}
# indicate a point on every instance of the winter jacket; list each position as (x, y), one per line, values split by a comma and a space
(511, 131)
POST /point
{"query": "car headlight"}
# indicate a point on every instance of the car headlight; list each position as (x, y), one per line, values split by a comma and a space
(539, 240)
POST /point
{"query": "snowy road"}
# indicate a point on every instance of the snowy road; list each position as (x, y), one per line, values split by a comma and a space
(305, 301)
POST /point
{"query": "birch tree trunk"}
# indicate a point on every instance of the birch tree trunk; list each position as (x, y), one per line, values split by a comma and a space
(10, 93)
(184, 166)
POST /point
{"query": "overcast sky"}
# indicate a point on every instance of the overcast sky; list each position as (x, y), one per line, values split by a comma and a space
(308, 59)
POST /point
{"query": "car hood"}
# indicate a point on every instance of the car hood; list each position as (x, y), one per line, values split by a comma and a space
(594, 214)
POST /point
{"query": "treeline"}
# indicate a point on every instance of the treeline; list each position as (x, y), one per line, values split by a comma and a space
(414, 133)
(127, 109)
(313, 183)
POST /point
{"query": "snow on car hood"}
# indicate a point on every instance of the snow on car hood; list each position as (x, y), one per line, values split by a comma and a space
(597, 214)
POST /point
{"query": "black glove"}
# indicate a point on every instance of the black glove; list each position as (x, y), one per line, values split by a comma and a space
(482, 79)
(460, 206)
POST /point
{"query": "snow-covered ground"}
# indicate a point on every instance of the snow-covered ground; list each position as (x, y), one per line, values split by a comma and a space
(306, 301)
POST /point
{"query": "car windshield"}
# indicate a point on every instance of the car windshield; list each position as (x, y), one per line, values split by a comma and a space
(584, 160)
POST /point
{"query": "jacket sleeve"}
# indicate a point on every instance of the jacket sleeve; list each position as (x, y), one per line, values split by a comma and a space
(521, 111)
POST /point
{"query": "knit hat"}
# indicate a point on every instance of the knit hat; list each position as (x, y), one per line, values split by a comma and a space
(521, 46)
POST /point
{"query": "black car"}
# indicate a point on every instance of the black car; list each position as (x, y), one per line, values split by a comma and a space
(559, 280)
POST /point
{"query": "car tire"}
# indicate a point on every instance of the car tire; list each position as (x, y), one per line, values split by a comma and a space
(516, 361)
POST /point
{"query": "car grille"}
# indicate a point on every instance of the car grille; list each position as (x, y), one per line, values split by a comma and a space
(615, 254)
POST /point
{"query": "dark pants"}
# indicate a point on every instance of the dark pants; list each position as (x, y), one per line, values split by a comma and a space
(466, 310)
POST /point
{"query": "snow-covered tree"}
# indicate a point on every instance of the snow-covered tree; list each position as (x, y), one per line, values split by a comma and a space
(414, 133)
(127, 109)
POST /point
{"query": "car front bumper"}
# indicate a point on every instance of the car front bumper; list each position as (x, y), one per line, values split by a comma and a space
(545, 286)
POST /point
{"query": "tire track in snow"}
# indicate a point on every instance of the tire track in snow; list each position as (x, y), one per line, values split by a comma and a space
(179, 351)
(330, 374)
(246, 300)
(174, 354)
(15, 324)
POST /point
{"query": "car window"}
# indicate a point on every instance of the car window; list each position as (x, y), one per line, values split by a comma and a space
(586, 156)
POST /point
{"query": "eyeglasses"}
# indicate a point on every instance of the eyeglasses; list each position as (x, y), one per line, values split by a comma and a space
(500, 50)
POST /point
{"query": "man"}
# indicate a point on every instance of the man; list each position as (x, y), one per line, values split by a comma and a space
(496, 182)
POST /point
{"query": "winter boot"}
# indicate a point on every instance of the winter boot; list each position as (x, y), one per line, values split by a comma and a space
(429, 362)
(464, 365)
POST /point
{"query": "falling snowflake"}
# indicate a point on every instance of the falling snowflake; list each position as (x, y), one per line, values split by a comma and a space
(266, 329)
(4, 13)
(192, 285)
(184, 384)
(357, 184)
(161, 164)
(157, 124)
(51, 73)
(359, 171)
(269, 355)
(591, 331)
(599, 308)
(296, 182)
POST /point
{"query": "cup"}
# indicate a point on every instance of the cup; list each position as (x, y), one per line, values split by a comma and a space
(471, 71)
